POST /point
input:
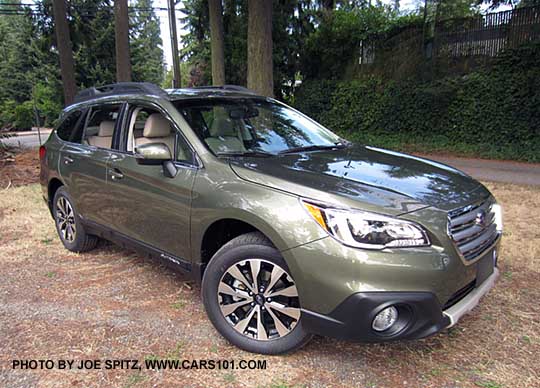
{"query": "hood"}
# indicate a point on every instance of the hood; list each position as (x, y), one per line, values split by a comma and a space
(373, 176)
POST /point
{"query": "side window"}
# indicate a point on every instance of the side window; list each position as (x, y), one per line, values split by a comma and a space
(141, 115)
(149, 125)
(145, 128)
(183, 152)
(71, 127)
(100, 125)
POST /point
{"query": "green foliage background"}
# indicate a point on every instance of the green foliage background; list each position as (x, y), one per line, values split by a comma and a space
(333, 47)
(29, 68)
(492, 113)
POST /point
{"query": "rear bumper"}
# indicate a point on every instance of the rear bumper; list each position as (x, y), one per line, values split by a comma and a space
(420, 314)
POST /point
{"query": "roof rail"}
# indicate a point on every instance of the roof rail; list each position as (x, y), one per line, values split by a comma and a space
(237, 88)
(118, 89)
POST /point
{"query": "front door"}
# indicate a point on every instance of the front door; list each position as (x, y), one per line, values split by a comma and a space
(148, 206)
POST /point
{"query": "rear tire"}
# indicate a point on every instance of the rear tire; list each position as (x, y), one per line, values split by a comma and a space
(68, 224)
(267, 321)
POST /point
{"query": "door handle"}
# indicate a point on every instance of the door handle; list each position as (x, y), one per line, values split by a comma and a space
(116, 174)
(68, 160)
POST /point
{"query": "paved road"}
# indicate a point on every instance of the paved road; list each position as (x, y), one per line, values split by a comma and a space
(26, 139)
(494, 170)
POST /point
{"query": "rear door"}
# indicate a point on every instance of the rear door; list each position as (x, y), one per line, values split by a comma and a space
(146, 205)
(83, 162)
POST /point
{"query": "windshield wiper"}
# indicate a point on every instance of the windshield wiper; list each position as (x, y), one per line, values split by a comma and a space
(314, 147)
(245, 153)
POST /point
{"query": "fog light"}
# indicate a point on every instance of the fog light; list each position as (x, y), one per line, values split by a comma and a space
(385, 319)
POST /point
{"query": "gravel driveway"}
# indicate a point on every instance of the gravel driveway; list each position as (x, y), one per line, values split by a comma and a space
(114, 304)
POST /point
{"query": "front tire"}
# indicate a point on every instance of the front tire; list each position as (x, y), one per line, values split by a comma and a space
(251, 298)
(69, 225)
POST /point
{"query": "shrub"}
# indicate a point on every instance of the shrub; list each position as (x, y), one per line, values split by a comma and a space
(7, 113)
(24, 115)
(47, 102)
(332, 49)
(489, 113)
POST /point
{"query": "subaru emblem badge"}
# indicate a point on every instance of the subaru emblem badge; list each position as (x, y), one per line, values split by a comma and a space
(480, 218)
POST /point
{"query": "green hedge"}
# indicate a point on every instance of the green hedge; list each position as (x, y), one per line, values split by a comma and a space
(493, 113)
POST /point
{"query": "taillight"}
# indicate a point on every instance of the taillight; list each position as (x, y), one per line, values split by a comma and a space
(42, 153)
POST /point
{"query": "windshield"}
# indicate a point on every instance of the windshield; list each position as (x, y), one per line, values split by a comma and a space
(253, 126)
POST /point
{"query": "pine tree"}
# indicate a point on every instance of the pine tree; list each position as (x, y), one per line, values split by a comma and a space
(27, 70)
(235, 33)
(16, 53)
(92, 26)
(196, 43)
(146, 44)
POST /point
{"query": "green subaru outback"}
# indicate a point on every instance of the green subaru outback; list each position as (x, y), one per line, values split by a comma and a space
(290, 230)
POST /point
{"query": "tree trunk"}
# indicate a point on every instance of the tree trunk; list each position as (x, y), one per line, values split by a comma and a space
(328, 5)
(63, 41)
(216, 34)
(121, 29)
(177, 79)
(260, 77)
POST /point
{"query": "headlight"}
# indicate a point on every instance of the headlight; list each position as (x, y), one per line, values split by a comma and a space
(367, 230)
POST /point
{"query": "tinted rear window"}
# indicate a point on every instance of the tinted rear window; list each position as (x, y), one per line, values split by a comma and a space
(70, 128)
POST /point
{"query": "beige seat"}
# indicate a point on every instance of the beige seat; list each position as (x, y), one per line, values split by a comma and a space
(157, 129)
(104, 136)
(223, 137)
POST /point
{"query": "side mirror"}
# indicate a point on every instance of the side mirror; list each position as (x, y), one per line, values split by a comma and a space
(152, 153)
(155, 154)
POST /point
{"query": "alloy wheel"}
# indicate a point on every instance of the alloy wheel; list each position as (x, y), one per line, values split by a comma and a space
(65, 218)
(259, 299)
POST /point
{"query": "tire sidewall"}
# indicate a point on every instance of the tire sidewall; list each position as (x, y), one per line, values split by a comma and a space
(222, 261)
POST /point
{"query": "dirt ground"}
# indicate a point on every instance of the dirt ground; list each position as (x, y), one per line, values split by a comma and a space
(114, 304)
(18, 168)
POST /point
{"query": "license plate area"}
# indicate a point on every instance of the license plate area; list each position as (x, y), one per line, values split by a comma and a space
(485, 266)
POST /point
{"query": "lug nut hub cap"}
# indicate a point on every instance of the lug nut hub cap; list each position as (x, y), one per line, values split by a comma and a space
(65, 218)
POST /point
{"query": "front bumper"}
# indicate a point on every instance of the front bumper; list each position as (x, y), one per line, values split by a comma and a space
(471, 300)
(420, 314)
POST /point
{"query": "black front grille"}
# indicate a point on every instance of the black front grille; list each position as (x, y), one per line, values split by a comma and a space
(460, 294)
(473, 228)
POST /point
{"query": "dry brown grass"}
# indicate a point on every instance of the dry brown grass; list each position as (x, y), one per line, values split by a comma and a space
(112, 303)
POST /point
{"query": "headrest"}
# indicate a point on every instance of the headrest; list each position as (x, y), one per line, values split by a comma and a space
(106, 128)
(156, 126)
(222, 124)
(222, 127)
